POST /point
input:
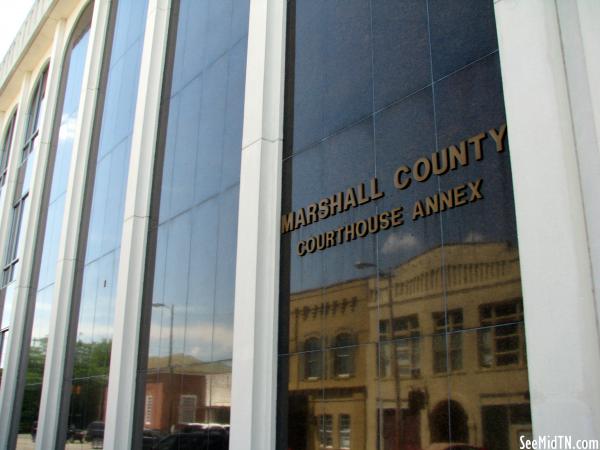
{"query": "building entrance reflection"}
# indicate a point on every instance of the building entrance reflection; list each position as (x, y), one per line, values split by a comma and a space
(449, 423)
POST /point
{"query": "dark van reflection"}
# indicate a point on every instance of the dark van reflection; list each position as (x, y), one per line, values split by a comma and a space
(95, 434)
(193, 436)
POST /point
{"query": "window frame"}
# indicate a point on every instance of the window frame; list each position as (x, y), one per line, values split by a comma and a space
(8, 137)
(400, 336)
(3, 334)
(313, 357)
(487, 336)
(325, 430)
(184, 407)
(21, 194)
(343, 354)
(447, 328)
(345, 431)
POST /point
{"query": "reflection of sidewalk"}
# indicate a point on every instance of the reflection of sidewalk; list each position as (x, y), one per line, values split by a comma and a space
(24, 442)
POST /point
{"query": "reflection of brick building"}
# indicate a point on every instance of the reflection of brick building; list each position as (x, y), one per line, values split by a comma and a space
(419, 379)
(189, 392)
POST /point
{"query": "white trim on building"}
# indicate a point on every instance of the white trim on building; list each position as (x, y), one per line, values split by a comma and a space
(548, 115)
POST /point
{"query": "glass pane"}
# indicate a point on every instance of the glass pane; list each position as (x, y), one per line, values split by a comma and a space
(487, 407)
(193, 275)
(51, 237)
(96, 309)
(6, 146)
(401, 100)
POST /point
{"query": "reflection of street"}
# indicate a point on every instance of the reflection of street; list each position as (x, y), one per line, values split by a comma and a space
(24, 442)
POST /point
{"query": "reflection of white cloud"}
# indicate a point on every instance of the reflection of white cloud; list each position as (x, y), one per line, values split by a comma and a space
(399, 242)
(68, 125)
(202, 341)
(474, 236)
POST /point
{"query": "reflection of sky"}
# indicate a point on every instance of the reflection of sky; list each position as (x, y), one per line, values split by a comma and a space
(196, 244)
(195, 267)
(63, 151)
(99, 281)
(199, 337)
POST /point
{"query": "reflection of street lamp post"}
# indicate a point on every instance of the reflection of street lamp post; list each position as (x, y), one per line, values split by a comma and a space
(171, 309)
(398, 425)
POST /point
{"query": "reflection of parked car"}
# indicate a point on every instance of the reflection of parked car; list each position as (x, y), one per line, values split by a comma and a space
(74, 434)
(215, 428)
(95, 434)
(452, 446)
(151, 439)
(196, 440)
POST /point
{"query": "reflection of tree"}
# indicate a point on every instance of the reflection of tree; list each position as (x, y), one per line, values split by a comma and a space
(90, 373)
(90, 378)
(37, 357)
(34, 376)
(91, 358)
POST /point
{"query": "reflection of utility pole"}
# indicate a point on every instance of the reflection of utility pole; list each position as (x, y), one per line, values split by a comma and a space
(398, 424)
(171, 309)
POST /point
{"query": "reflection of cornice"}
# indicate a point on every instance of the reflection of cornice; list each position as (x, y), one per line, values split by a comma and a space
(453, 269)
(330, 393)
(337, 299)
(332, 289)
(323, 309)
(467, 266)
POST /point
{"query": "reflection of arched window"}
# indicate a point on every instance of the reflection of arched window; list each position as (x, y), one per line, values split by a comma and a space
(21, 194)
(449, 423)
(343, 355)
(312, 358)
(6, 143)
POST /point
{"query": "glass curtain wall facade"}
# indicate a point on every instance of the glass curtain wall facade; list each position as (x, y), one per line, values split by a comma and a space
(19, 205)
(103, 218)
(6, 145)
(401, 321)
(50, 227)
(185, 373)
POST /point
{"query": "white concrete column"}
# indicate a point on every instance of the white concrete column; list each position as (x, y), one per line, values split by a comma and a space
(128, 310)
(579, 23)
(254, 382)
(13, 376)
(545, 132)
(54, 383)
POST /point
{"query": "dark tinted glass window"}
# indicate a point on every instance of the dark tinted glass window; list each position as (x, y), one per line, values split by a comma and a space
(398, 228)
